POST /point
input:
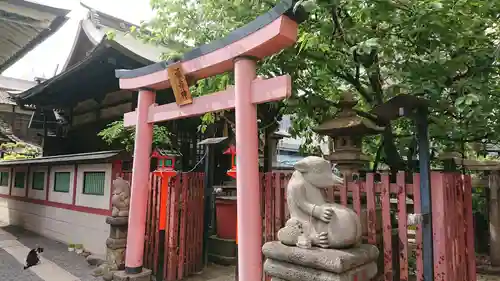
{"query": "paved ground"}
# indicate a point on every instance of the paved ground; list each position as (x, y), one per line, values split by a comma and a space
(60, 265)
(214, 273)
(487, 278)
(57, 263)
(11, 269)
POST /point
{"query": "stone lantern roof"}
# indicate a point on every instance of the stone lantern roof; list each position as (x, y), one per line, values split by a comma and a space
(348, 122)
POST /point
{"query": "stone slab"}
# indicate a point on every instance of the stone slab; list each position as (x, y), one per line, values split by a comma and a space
(279, 270)
(222, 260)
(330, 260)
(96, 260)
(118, 232)
(145, 275)
(117, 221)
(114, 244)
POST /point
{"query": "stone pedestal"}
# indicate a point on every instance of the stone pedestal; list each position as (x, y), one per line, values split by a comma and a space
(118, 223)
(318, 264)
(115, 248)
(145, 275)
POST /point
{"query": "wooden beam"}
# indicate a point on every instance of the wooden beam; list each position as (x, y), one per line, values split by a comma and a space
(263, 91)
(269, 39)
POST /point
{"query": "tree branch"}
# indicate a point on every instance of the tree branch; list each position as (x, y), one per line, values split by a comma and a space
(377, 157)
(358, 66)
(337, 25)
(354, 82)
(375, 79)
(343, 75)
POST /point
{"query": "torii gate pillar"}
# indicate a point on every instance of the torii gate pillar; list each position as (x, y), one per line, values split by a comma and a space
(140, 183)
(247, 172)
(265, 36)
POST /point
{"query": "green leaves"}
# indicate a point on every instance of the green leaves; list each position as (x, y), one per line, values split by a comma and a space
(117, 133)
(444, 50)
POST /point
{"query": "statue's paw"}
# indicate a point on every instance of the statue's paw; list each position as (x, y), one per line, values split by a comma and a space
(322, 240)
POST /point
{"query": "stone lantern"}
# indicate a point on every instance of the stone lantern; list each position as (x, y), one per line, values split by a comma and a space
(347, 131)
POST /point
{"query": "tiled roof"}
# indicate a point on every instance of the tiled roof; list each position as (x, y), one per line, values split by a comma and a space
(66, 158)
(24, 25)
(5, 98)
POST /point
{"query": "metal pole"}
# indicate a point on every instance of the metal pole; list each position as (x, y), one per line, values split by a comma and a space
(208, 225)
(425, 193)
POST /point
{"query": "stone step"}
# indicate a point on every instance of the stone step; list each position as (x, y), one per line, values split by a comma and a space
(222, 260)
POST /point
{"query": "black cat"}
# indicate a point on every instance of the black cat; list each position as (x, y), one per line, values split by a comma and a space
(33, 257)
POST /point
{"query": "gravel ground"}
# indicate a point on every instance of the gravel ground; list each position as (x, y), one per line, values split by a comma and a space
(55, 251)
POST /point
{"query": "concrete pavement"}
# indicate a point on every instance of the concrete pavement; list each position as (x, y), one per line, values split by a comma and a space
(57, 263)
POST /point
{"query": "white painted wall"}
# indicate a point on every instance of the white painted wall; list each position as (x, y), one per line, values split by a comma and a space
(5, 189)
(33, 193)
(59, 224)
(61, 197)
(93, 201)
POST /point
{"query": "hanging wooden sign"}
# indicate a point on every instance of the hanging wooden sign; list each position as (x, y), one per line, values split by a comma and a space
(179, 84)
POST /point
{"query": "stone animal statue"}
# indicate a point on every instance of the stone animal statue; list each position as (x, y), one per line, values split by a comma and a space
(120, 200)
(313, 221)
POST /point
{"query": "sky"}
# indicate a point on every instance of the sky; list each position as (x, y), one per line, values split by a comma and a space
(50, 55)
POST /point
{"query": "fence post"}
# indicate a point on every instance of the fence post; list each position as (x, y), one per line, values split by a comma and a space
(494, 185)
(439, 224)
(471, 253)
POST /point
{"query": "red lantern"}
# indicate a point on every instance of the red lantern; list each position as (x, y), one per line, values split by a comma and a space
(232, 173)
(165, 169)
(232, 150)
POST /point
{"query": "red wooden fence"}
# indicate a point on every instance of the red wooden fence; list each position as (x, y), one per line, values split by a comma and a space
(183, 243)
(454, 257)
(453, 233)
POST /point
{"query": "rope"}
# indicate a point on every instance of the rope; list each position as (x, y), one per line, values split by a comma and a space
(199, 162)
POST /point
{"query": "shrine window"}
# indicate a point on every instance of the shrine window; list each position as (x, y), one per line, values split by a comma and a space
(38, 181)
(94, 183)
(4, 178)
(62, 181)
(19, 179)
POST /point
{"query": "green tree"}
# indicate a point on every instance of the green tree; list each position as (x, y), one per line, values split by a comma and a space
(443, 50)
(115, 132)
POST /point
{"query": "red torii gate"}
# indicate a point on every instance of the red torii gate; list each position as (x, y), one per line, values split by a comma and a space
(266, 35)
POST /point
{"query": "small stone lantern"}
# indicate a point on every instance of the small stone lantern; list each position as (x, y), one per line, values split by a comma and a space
(347, 131)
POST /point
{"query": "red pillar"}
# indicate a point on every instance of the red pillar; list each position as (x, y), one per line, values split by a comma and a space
(140, 184)
(247, 167)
